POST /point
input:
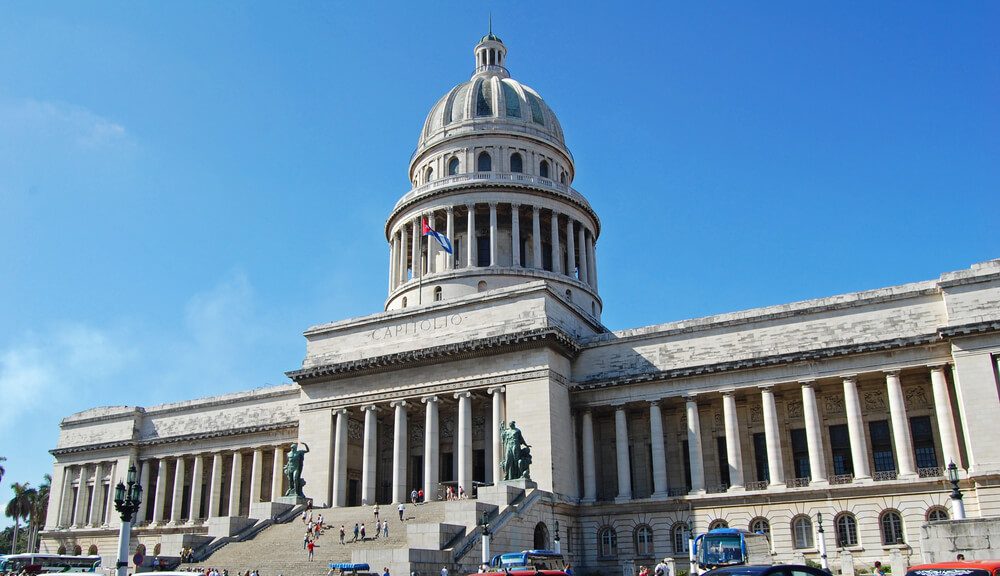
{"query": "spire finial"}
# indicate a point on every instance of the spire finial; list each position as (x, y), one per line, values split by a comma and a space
(491, 22)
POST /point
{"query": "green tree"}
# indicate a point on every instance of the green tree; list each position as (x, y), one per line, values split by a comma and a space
(2, 469)
(18, 507)
(39, 510)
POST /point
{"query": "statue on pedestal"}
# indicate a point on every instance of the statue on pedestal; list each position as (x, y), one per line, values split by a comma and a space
(293, 469)
(516, 459)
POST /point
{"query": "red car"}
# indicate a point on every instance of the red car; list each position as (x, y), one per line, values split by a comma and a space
(957, 568)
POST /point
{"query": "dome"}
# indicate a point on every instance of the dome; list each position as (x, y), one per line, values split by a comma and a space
(491, 101)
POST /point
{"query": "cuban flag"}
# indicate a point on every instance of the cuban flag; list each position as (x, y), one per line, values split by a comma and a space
(441, 238)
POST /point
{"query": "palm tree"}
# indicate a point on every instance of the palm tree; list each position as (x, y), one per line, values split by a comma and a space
(39, 509)
(2, 470)
(18, 507)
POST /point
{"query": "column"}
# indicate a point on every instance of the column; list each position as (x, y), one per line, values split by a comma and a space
(403, 255)
(340, 459)
(905, 463)
(814, 435)
(256, 470)
(621, 447)
(695, 460)
(399, 437)
(450, 232)
(415, 249)
(80, 505)
(536, 239)
(581, 240)
(393, 259)
(655, 438)
(369, 455)
(432, 246)
(431, 448)
(109, 504)
(493, 233)
(734, 452)
(772, 437)
(215, 487)
(470, 234)
(65, 502)
(556, 256)
(161, 492)
(465, 441)
(570, 249)
(235, 484)
(177, 500)
(945, 418)
(277, 473)
(147, 494)
(515, 234)
(95, 497)
(197, 478)
(855, 429)
(498, 419)
(592, 261)
(589, 468)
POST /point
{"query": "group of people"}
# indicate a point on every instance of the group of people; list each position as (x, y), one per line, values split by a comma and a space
(217, 572)
(316, 527)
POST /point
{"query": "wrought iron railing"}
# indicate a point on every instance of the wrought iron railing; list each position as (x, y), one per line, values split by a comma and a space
(677, 492)
(842, 479)
(798, 483)
(718, 488)
(932, 472)
(885, 475)
(761, 485)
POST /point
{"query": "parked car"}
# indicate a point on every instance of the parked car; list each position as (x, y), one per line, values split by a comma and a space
(767, 570)
(957, 568)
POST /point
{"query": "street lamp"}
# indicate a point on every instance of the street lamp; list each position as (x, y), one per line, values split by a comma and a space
(556, 543)
(127, 500)
(484, 525)
(822, 542)
(693, 566)
(957, 506)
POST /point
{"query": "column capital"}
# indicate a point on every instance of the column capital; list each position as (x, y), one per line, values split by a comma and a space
(728, 392)
(655, 402)
(766, 388)
(939, 367)
(463, 394)
(894, 372)
(496, 389)
(619, 405)
(807, 383)
(398, 404)
(691, 397)
(339, 411)
(371, 407)
(535, 208)
(470, 206)
(430, 399)
(851, 377)
(515, 205)
(493, 205)
(449, 209)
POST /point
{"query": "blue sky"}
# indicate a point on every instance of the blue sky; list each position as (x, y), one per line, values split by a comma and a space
(186, 186)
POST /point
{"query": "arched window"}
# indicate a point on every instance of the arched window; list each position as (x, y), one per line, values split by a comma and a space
(891, 524)
(607, 541)
(92, 551)
(543, 169)
(936, 514)
(484, 163)
(482, 286)
(77, 550)
(404, 301)
(437, 293)
(643, 538)
(428, 174)
(847, 530)
(679, 537)
(453, 167)
(541, 536)
(562, 178)
(802, 532)
(760, 525)
(516, 165)
(718, 523)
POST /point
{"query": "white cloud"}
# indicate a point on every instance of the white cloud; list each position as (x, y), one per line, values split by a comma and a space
(59, 123)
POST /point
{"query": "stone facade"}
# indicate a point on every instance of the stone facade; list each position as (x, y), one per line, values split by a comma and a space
(850, 406)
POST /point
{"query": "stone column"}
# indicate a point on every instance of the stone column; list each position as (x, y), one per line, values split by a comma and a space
(905, 462)
(515, 234)
(197, 478)
(256, 469)
(621, 447)
(80, 514)
(589, 467)
(147, 493)
(814, 435)
(734, 452)
(277, 473)
(177, 501)
(470, 235)
(450, 232)
(415, 249)
(432, 246)
(581, 240)
(465, 441)
(340, 459)
(404, 249)
(536, 239)
(856, 429)
(772, 437)
(945, 417)
(215, 488)
(399, 438)
(498, 419)
(556, 256)
(369, 460)
(696, 461)
(65, 502)
(592, 261)
(656, 444)
(161, 492)
(95, 496)
(493, 234)
(235, 484)
(393, 259)
(570, 249)
(109, 504)
(431, 448)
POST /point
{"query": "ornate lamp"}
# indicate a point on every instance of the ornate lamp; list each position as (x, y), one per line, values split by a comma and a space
(484, 526)
(957, 505)
(127, 501)
(822, 542)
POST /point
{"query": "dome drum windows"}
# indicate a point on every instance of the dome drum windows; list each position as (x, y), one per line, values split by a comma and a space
(543, 169)
(453, 166)
(484, 162)
(516, 163)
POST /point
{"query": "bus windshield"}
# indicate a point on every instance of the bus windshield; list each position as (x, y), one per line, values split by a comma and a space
(720, 550)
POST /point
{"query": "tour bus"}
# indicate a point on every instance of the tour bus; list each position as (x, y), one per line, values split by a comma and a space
(48, 563)
(731, 547)
(528, 559)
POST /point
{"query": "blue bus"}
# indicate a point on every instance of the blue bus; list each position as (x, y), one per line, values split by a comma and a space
(48, 563)
(731, 547)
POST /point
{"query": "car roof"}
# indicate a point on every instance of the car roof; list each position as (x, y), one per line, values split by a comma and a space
(521, 573)
(760, 568)
(951, 565)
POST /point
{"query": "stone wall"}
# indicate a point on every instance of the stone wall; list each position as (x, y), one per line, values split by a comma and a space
(976, 538)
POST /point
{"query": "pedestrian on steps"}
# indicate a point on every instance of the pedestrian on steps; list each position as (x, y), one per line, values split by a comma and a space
(376, 512)
(385, 528)
(343, 533)
(305, 540)
(385, 571)
(355, 532)
(413, 496)
(312, 545)
(378, 529)
(304, 516)
(362, 532)
(402, 507)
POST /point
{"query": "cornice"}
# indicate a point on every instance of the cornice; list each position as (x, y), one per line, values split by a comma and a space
(970, 329)
(455, 351)
(292, 424)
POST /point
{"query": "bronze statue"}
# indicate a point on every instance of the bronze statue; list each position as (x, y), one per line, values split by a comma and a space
(516, 459)
(293, 470)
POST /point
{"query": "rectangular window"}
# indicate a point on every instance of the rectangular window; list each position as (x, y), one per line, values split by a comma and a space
(881, 446)
(923, 442)
(723, 459)
(547, 256)
(840, 447)
(760, 457)
(687, 465)
(483, 251)
(800, 453)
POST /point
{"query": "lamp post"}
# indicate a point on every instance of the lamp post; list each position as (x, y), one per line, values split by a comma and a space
(127, 499)
(957, 506)
(484, 525)
(691, 561)
(556, 544)
(822, 542)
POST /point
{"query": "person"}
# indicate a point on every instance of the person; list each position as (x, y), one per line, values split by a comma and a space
(362, 532)
(385, 571)
(306, 538)
(343, 533)
(376, 511)
(643, 571)
(879, 571)
(420, 495)
(355, 532)
(569, 569)
(444, 571)
(413, 496)
(378, 529)
(960, 557)
(402, 508)
(311, 547)
(305, 516)
(661, 568)
(385, 528)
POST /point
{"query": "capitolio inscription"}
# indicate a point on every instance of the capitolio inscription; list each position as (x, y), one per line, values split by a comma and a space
(416, 327)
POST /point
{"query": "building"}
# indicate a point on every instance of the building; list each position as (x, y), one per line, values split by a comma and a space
(849, 405)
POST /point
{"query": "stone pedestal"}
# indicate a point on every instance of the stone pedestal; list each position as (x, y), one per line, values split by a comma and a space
(290, 500)
(268, 509)
(846, 563)
(228, 525)
(504, 492)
